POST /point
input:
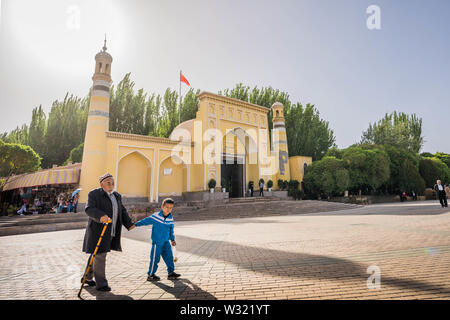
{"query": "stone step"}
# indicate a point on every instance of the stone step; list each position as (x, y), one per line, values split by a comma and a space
(36, 228)
(41, 217)
(127, 200)
(180, 203)
(47, 220)
(253, 199)
(153, 206)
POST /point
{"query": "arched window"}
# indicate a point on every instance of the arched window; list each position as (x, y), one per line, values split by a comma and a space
(305, 165)
(278, 113)
(106, 68)
(100, 67)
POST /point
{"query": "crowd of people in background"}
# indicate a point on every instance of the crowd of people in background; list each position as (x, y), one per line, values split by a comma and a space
(64, 203)
(30, 207)
(67, 203)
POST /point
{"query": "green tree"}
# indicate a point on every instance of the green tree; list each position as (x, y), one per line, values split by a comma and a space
(265, 96)
(152, 107)
(410, 179)
(397, 158)
(66, 128)
(427, 155)
(397, 129)
(189, 105)
(169, 113)
(444, 172)
(17, 159)
(334, 152)
(76, 154)
(127, 108)
(368, 168)
(137, 110)
(327, 176)
(444, 157)
(53, 138)
(37, 131)
(18, 135)
(430, 171)
(307, 133)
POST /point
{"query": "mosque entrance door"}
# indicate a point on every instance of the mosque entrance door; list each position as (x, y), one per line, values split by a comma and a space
(232, 175)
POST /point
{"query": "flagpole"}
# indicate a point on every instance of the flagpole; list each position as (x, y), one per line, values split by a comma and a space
(179, 108)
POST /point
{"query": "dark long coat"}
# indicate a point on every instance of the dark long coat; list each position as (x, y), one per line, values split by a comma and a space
(439, 193)
(98, 205)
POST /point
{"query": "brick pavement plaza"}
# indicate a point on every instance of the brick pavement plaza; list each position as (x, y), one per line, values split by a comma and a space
(297, 256)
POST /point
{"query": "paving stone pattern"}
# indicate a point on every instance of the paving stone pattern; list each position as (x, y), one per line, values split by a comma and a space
(321, 255)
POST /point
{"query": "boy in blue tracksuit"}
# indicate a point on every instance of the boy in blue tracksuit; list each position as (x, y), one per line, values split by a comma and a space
(162, 231)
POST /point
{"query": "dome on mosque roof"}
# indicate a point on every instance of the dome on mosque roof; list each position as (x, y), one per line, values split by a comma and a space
(277, 104)
(103, 54)
(187, 125)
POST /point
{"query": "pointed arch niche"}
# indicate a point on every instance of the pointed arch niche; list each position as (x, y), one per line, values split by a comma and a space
(134, 175)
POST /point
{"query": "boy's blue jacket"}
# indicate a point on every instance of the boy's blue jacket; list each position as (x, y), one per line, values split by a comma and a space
(162, 227)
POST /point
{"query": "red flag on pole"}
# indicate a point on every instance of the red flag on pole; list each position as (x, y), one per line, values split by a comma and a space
(183, 79)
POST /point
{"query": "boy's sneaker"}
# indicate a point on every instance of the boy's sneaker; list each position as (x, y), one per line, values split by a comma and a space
(153, 277)
(173, 275)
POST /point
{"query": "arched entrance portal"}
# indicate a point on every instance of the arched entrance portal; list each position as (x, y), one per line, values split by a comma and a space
(236, 168)
(134, 176)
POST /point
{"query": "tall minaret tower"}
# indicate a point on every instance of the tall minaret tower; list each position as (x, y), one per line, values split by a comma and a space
(94, 152)
(280, 130)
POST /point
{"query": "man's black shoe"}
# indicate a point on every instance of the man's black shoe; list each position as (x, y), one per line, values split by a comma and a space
(173, 275)
(153, 277)
(90, 283)
(105, 288)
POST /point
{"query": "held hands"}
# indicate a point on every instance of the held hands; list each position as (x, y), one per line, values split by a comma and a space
(174, 243)
(105, 219)
(132, 227)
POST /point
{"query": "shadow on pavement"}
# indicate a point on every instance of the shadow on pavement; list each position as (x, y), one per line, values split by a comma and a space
(101, 295)
(185, 289)
(297, 265)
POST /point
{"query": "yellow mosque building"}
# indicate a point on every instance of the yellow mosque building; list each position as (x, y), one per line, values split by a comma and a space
(228, 141)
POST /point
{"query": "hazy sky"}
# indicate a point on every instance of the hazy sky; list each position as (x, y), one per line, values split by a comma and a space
(320, 51)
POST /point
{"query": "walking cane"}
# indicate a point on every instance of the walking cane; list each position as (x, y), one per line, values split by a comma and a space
(93, 256)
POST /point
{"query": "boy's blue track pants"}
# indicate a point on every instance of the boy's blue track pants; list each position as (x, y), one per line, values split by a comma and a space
(163, 249)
